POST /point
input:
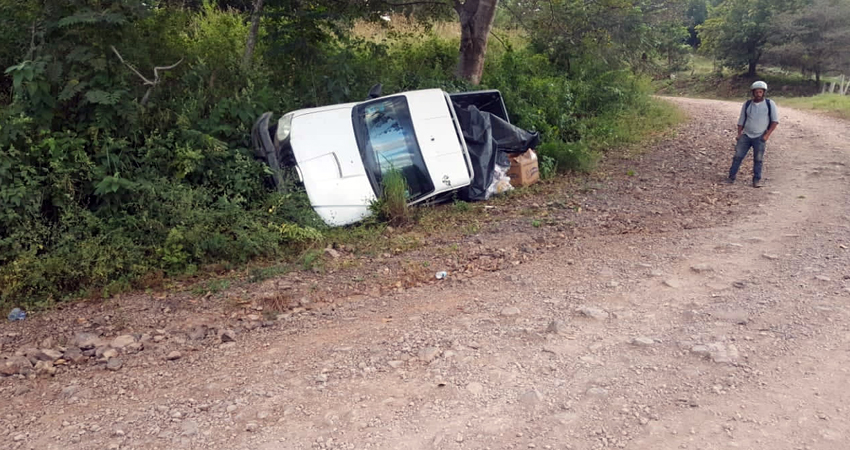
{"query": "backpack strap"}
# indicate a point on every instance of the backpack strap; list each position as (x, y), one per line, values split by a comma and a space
(746, 112)
(769, 110)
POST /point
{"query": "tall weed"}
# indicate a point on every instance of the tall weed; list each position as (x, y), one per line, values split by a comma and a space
(391, 206)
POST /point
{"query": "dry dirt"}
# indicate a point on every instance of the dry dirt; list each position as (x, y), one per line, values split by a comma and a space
(673, 312)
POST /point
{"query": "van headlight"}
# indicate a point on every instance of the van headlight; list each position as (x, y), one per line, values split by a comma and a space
(284, 126)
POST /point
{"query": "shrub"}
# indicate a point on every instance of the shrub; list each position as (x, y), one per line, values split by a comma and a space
(548, 166)
(99, 193)
(573, 156)
(391, 206)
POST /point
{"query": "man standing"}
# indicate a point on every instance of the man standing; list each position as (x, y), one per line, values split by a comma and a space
(758, 119)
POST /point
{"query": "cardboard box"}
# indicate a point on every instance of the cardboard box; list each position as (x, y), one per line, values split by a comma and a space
(524, 170)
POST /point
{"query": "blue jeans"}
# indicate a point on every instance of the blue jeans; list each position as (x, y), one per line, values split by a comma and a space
(741, 149)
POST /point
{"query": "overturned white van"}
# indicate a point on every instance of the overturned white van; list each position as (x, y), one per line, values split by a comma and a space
(341, 152)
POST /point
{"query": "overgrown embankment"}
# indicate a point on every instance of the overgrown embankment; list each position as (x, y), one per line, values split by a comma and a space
(109, 181)
(728, 86)
(787, 89)
(833, 104)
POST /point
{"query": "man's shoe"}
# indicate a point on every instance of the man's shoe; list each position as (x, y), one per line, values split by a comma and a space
(729, 181)
(757, 183)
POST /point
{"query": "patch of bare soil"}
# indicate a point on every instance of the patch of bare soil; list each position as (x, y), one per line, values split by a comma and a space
(645, 307)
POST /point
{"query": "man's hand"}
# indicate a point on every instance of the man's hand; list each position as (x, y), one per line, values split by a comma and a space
(738, 138)
(765, 137)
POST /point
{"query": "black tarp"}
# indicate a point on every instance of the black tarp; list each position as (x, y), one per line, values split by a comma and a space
(486, 101)
(489, 139)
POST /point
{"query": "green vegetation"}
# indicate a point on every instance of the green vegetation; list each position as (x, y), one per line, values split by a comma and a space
(211, 287)
(391, 206)
(708, 80)
(792, 44)
(807, 35)
(115, 176)
(833, 104)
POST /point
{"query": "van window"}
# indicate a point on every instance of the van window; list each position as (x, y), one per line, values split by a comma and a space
(387, 141)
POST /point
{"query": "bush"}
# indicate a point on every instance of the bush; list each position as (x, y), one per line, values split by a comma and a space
(573, 156)
(391, 206)
(548, 166)
(99, 193)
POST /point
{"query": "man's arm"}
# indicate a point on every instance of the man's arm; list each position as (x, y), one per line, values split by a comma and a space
(774, 121)
(741, 118)
(770, 129)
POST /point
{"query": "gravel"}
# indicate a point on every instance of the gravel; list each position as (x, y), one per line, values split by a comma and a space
(368, 363)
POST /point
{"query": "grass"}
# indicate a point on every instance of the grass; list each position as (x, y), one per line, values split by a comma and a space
(789, 88)
(211, 287)
(385, 31)
(399, 24)
(258, 274)
(836, 105)
(312, 260)
(392, 207)
(633, 131)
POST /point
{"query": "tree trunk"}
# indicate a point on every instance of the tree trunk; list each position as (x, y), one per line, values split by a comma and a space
(751, 71)
(252, 34)
(476, 20)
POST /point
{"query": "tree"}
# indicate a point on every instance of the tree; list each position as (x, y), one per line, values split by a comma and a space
(814, 39)
(476, 20)
(299, 25)
(611, 33)
(737, 31)
(696, 12)
(251, 42)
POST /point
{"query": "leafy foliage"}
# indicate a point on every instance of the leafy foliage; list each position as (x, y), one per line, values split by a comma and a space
(737, 31)
(100, 193)
(608, 33)
(391, 206)
(813, 38)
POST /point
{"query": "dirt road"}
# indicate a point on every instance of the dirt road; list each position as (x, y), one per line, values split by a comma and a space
(718, 337)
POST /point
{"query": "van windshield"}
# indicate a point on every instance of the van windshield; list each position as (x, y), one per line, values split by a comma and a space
(387, 141)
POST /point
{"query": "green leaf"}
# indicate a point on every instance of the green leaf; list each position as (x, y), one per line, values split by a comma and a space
(90, 17)
(99, 97)
(108, 185)
(71, 90)
(17, 80)
(16, 67)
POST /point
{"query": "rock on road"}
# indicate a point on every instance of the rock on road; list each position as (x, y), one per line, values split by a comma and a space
(720, 337)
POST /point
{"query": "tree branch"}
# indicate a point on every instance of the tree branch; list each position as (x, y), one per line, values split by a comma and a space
(164, 68)
(516, 16)
(147, 82)
(31, 51)
(504, 44)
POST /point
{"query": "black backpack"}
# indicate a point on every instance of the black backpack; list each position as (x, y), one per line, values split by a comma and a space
(769, 112)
